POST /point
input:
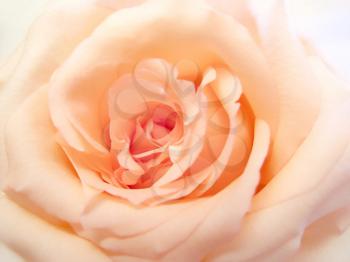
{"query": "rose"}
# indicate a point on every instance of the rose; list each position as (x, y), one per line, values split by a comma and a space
(182, 63)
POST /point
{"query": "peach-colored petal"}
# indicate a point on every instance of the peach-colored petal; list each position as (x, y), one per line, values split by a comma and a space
(126, 160)
(39, 168)
(227, 91)
(227, 219)
(8, 254)
(66, 79)
(238, 9)
(298, 87)
(184, 154)
(112, 183)
(244, 125)
(238, 51)
(116, 5)
(192, 217)
(334, 90)
(50, 174)
(129, 259)
(300, 202)
(195, 181)
(76, 101)
(8, 67)
(330, 143)
(220, 128)
(136, 196)
(78, 106)
(38, 62)
(323, 241)
(27, 235)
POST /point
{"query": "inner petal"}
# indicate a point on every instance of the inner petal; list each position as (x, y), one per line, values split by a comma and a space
(159, 131)
(164, 121)
(140, 142)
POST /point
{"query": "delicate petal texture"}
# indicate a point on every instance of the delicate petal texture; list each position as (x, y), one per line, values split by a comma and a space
(84, 142)
(146, 236)
(48, 243)
(299, 99)
(283, 199)
(324, 241)
(7, 68)
(53, 179)
(107, 44)
(92, 65)
(308, 191)
(333, 151)
(117, 5)
(45, 169)
(238, 9)
(38, 61)
(138, 130)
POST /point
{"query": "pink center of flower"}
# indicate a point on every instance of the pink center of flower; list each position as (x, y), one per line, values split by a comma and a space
(169, 133)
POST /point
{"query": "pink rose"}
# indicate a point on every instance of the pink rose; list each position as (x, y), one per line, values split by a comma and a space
(171, 131)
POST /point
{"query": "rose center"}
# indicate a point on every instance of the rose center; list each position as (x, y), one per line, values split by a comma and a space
(154, 129)
(153, 132)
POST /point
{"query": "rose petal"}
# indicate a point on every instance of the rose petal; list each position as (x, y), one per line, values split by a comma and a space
(323, 242)
(304, 171)
(28, 234)
(184, 154)
(116, 5)
(318, 197)
(189, 227)
(110, 41)
(8, 67)
(238, 9)
(38, 62)
(298, 87)
(9, 254)
(39, 168)
(227, 90)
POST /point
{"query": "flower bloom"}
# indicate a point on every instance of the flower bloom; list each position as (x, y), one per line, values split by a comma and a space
(171, 131)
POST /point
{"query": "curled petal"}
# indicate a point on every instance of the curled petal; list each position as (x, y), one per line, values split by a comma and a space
(195, 218)
(108, 43)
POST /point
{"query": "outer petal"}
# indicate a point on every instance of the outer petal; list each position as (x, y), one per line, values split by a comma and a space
(37, 240)
(47, 45)
(195, 226)
(8, 254)
(239, 9)
(328, 140)
(38, 166)
(230, 206)
(7, 68)
(40, 169)
(290, 213)
(325, 241)
(297, 85)
(305, 190)
(231, 45)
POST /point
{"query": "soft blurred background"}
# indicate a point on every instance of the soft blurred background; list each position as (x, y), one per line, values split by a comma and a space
(325, 22)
